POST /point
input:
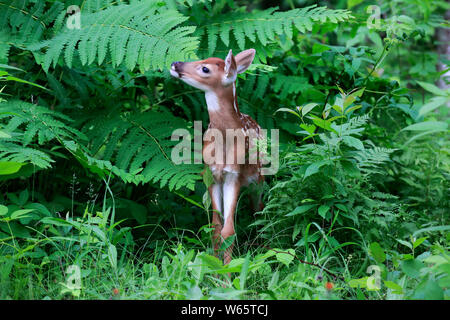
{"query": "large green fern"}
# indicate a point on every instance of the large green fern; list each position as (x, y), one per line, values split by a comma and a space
(140, 144)
(262, 27)
(137, 34)
(26, 127)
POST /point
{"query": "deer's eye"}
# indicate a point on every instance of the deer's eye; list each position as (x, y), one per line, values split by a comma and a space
(205, 70)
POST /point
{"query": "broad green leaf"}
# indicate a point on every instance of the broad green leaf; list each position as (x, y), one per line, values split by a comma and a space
(244, 271)
(323, 209)
(412, 267)
(227, 242)
(301, 209)
(429, 290)
(358, 106)
(361, 282)
(4, 134)
(405, 243)
(431, 229)
(352, 3)
(352, 97)
(418, 242)
(310, 128)
(285, 257)
(112, 255)
(208, 178)
(307, 108)
(289, 111)
(211, 261)
(427, 125)
(434, 103)
(19, 214)
(9, 167)
(377, 252)
(436, 260)
(433, 89)
(397, 289)
(322, 123)
(3, 210)
(314, 168)
(353, 142)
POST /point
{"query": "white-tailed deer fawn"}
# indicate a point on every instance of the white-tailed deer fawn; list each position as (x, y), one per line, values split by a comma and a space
(229, 142)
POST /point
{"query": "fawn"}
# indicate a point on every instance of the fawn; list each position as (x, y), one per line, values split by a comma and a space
(228, 144)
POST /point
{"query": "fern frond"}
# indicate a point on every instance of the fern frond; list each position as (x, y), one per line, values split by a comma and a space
(28, 127)
(369, 160)
(139, 145)
(26, 20)
(265, 26)
(136, 34)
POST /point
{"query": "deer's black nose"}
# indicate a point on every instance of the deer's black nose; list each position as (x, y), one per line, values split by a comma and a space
(176, 64)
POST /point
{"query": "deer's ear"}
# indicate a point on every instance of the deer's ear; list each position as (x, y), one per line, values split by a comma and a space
(244, 59)
(230, 70)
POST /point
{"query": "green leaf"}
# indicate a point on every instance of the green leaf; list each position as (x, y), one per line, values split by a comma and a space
(301, 209)
(434, 103)
(322, 123)
(396, 289)
(285, 257)
(353, 142)
(429, 290)
(319, 48)
(314, 168)
(244, 271)
(9, 167)
(358, 283)
(377, 252)
(323, 209)
(4, 134)
(3, 210)
(418, 242)
(208, 178)
(412, 267)
(307, 108)
(19, 214)
(211, 261)
(405, 243)
(427, 125)
(352, 97)
(227, 242)
(310, 128)
(433, 89)
(352, 3)
(112, 255)
(288, 110)
(353, 108)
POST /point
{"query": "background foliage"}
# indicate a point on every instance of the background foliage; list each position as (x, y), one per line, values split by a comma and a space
(358, 210)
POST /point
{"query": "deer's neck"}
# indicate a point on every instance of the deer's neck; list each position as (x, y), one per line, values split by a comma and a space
(223, 108)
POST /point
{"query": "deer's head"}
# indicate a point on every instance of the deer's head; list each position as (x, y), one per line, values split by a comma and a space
(213, 73)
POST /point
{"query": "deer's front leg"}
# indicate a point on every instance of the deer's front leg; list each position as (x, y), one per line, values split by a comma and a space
(231, 187)
(215, 193)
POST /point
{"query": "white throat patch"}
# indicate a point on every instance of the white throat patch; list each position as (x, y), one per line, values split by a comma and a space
(212, 101)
